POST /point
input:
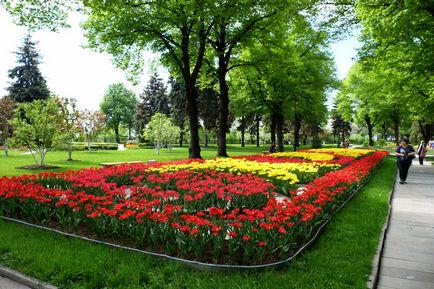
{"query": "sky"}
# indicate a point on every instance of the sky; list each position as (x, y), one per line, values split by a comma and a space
(80, 73)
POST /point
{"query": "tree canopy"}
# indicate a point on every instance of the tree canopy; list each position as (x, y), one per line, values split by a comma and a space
(118, 105)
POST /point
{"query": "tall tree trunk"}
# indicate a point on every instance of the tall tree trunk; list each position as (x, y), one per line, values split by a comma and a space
(181, 137)
(243, 131)
(425, 129)
(279, 132)
(224, 106)
(370, 127)
(384, 131)
(297, 127)
(118, 140)
(129, 132)
(396, 121)
(205, 142)
(88, 144)
(257, 131)
(191, 95)
(69, 151)
(273, 128)
(6, 147)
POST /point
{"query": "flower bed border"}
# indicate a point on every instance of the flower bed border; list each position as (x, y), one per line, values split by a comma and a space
(209, 266)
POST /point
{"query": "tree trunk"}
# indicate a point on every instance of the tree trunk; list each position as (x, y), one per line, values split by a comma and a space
(129, 132)
(273, 128)
(205, 143)
(425, 129)
(42, 154)
(89, 141)
(370, 126)
(181, 137)
(384, 131)
(279, 132)
(257, 131)
(191, 95)
(297, 127)
(224, 106)
(395, 118)
(118, 140)
(243, 131)
(6, 147)
(69, 151)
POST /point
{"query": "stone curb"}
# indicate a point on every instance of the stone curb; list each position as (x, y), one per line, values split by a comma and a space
(24, 279)
(376, 262)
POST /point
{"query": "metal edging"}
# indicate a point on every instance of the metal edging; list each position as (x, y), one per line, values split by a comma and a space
(201, 265)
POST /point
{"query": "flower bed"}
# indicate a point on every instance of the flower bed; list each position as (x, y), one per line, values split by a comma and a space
(217, 211)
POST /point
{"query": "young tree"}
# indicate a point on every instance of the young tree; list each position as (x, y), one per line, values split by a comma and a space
(153, 99)
(161, 131)
(70, 117)
(118, 105)
(37, 124)
(28, 84)
(6, 115)
(91, 123)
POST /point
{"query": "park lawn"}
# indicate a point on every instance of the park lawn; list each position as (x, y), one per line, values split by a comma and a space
(340, 258)
(84, 159)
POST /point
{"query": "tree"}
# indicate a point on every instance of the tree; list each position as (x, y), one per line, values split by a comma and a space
(118, 105)
(70, 122)
(208, 111)
(39, 14)
(177, 30)
(397, 36)
(6, 115)
(235, 21)
(91, 123)
(178, 106)
(28, 84)
(153, 99)
(37, 124)
(161, 131)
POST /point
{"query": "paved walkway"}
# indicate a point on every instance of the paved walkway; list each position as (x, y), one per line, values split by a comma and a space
(408, 256)
(9, 284)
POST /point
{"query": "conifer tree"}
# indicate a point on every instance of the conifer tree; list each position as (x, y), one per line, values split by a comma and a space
(28, 84)
(153, 100)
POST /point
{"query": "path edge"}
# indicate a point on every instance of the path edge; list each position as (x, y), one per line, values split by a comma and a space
(24, 279)
(376, 261)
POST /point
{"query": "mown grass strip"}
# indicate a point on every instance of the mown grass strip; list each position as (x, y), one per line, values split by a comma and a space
(341, 258)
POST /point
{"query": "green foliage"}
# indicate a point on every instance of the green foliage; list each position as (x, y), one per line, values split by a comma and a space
(28, 84)
(397, 37)
(70, 122)
(161, 131)
(6, 115)
(37, 124)
(118, 105)
(153, 99)
(39, 14)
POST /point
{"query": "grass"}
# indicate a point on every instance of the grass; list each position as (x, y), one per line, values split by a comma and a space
(85, 159)
(340, 258)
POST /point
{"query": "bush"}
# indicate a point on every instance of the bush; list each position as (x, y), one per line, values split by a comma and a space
(381, 142)
(82, 146)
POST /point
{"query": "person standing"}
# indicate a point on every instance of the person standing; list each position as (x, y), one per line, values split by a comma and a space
(421, 151)
(405, 154)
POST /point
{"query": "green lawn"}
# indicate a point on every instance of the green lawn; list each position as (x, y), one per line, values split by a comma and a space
(84, 159)
(340, 258)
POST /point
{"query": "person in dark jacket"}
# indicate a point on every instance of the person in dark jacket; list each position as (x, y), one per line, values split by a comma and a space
(405, 154)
